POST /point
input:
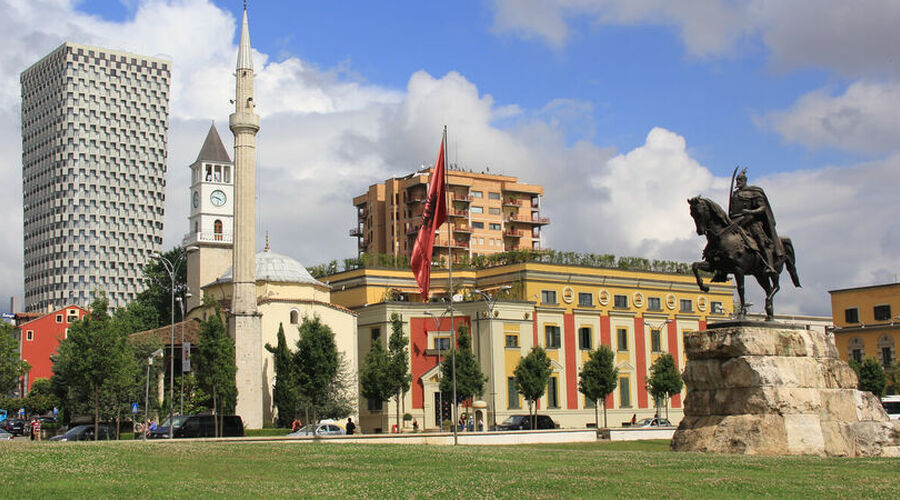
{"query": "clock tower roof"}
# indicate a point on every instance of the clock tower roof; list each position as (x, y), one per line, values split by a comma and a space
(213, 150)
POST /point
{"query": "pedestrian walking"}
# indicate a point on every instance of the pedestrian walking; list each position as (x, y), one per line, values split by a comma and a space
(351, 427)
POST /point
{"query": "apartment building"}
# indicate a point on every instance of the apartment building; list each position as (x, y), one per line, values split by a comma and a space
(487, 214)
(94, 132)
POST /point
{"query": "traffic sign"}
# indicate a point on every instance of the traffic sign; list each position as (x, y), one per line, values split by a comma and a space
(134, 407)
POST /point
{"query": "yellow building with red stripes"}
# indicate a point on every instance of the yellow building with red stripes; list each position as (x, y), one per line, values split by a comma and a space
(568, 310)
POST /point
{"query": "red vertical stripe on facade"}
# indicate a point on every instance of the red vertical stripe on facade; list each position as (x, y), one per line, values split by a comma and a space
(675, 402)
(640, 362)
(605, 340)
(571, 371)
(419, 362)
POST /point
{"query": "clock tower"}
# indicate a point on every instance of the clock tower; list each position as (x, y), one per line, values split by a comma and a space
(211, 221)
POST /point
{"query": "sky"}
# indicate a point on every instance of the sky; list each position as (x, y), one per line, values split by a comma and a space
(621, 109)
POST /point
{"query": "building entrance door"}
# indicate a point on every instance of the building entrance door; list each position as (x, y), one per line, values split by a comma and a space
(441, 408)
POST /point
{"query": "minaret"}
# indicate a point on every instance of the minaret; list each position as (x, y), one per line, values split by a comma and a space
(244, 322)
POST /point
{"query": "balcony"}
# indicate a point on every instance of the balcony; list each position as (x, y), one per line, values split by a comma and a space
(413, 228)
(458, 213)
(356, 232)
(456, 244)
(513, 202)
(528, 219)
(416, 199)
(513, 233)
(462, 198)
(208, 237)
(462, 228)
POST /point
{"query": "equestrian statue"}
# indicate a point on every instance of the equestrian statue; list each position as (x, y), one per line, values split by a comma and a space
(742, 242)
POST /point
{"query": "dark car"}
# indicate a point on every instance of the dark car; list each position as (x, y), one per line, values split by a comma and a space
(523, 422)
(15, 426)
(198, 426)
(86, 433)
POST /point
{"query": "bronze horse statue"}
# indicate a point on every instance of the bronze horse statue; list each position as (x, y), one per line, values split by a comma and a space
(729, 250)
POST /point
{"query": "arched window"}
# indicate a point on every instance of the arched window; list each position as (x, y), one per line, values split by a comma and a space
(295, 316)
(217, 229)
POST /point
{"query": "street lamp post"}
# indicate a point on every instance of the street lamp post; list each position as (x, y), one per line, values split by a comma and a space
(437, 326)
(187, 295)
(172, 269)
(490, 300)
(156, 354)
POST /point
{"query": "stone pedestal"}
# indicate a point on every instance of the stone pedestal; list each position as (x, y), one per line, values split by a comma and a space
(777, 389)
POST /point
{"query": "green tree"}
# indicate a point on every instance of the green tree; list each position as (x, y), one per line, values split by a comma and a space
(871, 376)
(532, 376)
(11, 367)
(216, 368)
(469, 378)
(316, 364)
(664, 380)
(158, 292)
(285, 392)
(95, 361)
(399, 362)
(599, 378)
(41, 399)
(340, 401)
(892, 377)
(137, 316)
(375, 375)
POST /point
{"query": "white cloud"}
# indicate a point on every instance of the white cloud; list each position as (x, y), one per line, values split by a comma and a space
(852, 38)
(863, 119)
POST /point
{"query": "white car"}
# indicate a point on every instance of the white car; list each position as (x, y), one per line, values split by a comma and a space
(5, 436)
(322, 429)
(891, 406)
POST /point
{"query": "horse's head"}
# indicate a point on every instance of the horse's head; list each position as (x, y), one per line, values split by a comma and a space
(699, 213)
(707, 214)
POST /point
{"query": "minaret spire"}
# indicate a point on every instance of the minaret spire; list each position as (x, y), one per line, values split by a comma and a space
(245, 54)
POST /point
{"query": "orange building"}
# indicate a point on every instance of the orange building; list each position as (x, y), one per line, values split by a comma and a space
(866, 322)
(487, 214)
(39, 339)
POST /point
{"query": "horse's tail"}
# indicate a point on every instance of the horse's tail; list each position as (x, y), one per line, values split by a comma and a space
(790, 260)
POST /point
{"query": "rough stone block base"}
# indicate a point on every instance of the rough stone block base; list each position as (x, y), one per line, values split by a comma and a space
(777, 390)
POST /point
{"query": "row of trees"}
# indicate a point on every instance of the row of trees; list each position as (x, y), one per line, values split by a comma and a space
(315, 378)
(385, 373)
(548, 256)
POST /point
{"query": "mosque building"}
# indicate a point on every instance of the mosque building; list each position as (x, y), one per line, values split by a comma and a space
(259, 291)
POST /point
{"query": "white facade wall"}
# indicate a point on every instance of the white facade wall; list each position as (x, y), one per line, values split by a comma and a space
(94, 147)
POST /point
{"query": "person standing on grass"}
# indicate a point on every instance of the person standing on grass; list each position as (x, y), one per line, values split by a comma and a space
(351, 427)
(295, 425)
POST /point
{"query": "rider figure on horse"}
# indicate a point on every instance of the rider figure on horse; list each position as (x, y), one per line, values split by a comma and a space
(751, 210)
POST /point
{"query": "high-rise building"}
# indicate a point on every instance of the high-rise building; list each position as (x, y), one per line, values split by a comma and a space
(94, 131)
(487, 214)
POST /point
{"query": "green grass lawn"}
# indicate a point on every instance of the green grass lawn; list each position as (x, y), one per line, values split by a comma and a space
(303, 469)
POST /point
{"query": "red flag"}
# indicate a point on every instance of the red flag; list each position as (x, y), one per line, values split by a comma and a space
(434, 214)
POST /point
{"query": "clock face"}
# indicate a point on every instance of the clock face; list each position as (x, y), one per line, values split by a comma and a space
(196, 199)
(217, 198)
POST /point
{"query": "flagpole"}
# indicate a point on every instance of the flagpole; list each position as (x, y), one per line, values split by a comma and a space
(450, 292)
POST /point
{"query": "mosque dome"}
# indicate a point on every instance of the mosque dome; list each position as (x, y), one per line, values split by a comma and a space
(279, 268)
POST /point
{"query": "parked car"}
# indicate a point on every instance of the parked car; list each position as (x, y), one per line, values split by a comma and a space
(322, 429)
(891, 406)
(5, 436)
(86, 433)
(653, 422)
(15, 426)
(523, 422)
(198, 426)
